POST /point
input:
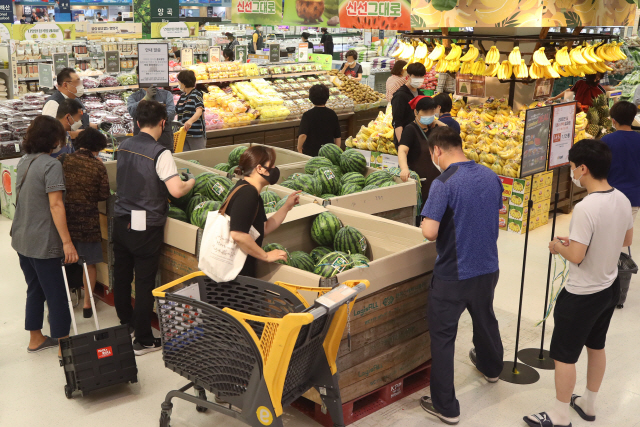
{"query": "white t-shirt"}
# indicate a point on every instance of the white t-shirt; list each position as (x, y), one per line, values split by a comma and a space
(51, 107)
(166, 167)
(600, 221)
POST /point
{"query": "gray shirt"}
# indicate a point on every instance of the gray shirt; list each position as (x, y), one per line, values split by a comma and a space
(34, 233)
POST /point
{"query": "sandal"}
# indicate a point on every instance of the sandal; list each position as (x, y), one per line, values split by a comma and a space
(48, 343)
(542, 420)
(579, 410)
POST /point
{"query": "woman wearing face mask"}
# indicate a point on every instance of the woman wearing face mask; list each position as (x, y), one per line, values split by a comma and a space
(398, 78)
(246, 209)
(351, 68)
(232, 41)
(413, 150)
(401, 111)
(190, 111)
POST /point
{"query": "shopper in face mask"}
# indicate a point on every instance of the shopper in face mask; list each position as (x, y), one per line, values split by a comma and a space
(190, 110)
(351, 68)
(69, 86)
(246, 209)
(69, 114)
(413, 150)
(461, 215)
(401, 110)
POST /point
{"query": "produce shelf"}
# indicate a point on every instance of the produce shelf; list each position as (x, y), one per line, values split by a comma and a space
(109, 89)
(269, 76)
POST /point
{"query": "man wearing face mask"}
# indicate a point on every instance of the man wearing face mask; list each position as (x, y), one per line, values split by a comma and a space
(146, 176)
(69, 86)
(69, 114)
(461, 215)
(257, 40)
(400, 109)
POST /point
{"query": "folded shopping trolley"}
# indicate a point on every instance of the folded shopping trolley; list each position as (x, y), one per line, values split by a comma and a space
(257, 346)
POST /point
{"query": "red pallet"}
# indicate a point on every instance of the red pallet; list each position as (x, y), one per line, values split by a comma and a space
(369, 403)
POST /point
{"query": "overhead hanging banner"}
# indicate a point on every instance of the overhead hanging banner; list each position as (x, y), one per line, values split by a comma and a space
(162, 30)
(264, 12)
(6, 11)
(376, 14)
(5, 32)
(588, 13)
(142, 15)
(164, 10)
(309, 12)
(100, 30)
(44, 32)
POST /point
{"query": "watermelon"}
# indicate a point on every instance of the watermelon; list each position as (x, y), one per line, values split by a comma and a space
(324, 228)
(269, 198)
(282, 202)
(195, 200)
(202, 181)
(315, 163)
(200, 212)
(350, 240)
(352, 161)
(218, 187)
(359, 261)
(318, 252)
(269, 210)
(353, 178)
(378, 177)
(294, 176)
(224, 167)
(331, 152)
(273, 246)
(308, 184)
(333, 264)
(349, 189)
(370, 187)
(328, 179)
(177, 213)
(327, 196)
(387, 184)
(182, 201)
(302, 261)
(235, 154)
(195, 162)
(288, 184)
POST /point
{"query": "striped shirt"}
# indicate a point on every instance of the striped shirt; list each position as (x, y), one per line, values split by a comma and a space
(186, 109)
(446, 83)
(393, 84)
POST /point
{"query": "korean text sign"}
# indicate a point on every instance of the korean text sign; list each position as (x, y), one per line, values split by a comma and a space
(153, 63)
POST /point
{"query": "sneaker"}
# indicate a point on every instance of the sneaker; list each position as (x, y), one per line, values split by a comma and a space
(427, 404)
(474, 360)
(139, 349)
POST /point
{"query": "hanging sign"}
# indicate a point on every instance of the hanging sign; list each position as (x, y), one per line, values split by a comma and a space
(164, 10)
(153, 64)
(305, 13)
(263, 12)
(469, 85)
(214, 54)
(45, 75)
(537, 124)
(543, 89)
(186, 57)
(6, 11)
(562, 133)
(274, 52)
(376, 14)
(60, 61)
(112, 61)
(166, 30)
(44, 32)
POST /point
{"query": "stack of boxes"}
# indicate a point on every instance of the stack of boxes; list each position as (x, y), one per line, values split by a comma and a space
(516, 199)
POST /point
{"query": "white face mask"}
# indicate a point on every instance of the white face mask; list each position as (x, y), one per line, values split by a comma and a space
(79, 90)
(576, 181)
(437, 165)
(76, 124)
(416, 82)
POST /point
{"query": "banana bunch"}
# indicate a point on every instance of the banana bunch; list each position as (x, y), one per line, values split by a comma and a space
(453, 66)
(558, 69)
(576, 56)
(404, 51)
(442, 66)
(428, 64)
(520, 70)
(454, 53)
(491, 70)
(488, 117)
(466, 67)
(562, 57)
(536, 72)
(540, 58)
(514, 57)
(471, 54)
(437, 53)
(478, 67)
(505, 70)
(515, 214)
(421, 52)
(610, 52)
(493, 56)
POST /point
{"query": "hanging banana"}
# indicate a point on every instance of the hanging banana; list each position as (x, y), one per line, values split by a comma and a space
(471, 55)
(514, 56)
(493, 56)
(540, 58)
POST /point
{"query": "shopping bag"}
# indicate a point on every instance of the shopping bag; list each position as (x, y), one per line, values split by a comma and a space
(220, 257)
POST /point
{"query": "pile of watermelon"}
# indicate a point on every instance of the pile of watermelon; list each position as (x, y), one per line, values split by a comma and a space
(206, 196)
(341, 248)
(337, 173)
(232, 161)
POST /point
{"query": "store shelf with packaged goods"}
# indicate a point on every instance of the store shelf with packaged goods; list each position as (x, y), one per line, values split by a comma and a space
(269, 76)
(110, 89)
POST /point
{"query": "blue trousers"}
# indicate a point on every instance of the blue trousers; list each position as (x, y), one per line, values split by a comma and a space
(45, 283)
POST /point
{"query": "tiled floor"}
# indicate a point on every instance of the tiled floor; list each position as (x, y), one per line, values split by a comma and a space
(32, 385)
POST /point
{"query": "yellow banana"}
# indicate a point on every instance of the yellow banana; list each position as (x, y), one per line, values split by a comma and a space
(471, 54)
(421, 51)
(493, 56)
(454, 53)
(437, 53)
(540, 58)
(491, 70)
(576, 56)
(514, 56)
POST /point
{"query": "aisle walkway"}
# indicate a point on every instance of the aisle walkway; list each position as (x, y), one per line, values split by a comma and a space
(32, 385)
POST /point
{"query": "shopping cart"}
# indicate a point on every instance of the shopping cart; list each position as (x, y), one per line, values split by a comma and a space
(626, 267)
(178, 139)
(256, 345)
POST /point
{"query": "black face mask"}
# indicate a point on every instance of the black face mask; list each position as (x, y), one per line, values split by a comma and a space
(273, 177)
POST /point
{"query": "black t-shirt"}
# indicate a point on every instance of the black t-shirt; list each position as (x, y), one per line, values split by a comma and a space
(353, 72)
(419, 157)
(310, 47)
(327, 41)
(321, 125)
(245, 210)
(401, 111)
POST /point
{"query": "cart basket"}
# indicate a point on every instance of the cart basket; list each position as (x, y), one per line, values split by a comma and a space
(256, 345)
(179, 137)
(626, 268)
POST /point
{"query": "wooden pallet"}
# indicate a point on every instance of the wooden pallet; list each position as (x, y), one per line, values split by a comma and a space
(371, 402)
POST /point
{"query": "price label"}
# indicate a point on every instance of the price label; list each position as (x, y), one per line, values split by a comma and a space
(60, 61)
(274, 52)
(45, 75)
(112, 61)
(214, 54)
(562, 129)
(17, 147)
(186, 57)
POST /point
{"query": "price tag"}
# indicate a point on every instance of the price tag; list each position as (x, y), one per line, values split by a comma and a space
(186, 57)
(214, 54)
(112, 61)
(60, 61)
(45, 75)
(17, 145)
(274, 52)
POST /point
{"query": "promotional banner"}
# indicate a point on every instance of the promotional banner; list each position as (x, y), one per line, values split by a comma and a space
(263, 12)
(376, 14)
(98, 30)
(6, 11)
(160, 30)
(142, 15)
(307, 12)
(44, 32)
(588, 13)
(5, 32)
(562, 133)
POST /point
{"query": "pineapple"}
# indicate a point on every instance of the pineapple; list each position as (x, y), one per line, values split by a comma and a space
(606, 122)
(600, 102)
(592, 116)
(593, 130)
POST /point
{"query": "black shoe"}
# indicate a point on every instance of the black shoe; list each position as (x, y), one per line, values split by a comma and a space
(87, 312)
(139, 349)
(620, 306)
(474, 360)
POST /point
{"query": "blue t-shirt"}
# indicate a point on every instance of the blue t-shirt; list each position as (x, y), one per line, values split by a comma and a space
(466, 200)
(450, 121)
(625, 163)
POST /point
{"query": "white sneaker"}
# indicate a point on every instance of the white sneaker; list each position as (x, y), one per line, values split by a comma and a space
(140, 349)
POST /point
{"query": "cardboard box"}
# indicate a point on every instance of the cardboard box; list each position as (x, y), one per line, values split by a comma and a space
(398, 252)
(540, 207)
(542, 179)
(503, 221)
(521, 185)
(9, 173)
(541, 194)
(209, 157)
(519, 199)
(517, 226)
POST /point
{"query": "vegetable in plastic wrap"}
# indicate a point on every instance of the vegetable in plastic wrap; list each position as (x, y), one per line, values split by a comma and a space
(90, 83)
(126, 94)
(127, 79)
(108, 81)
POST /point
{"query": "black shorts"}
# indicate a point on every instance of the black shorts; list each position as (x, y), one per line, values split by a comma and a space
(582, 320)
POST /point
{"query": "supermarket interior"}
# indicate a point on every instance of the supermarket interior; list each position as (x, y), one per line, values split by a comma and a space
(444, 215)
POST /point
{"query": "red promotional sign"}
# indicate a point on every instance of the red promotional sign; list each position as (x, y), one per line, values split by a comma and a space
(104, 352)
(376, 14)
